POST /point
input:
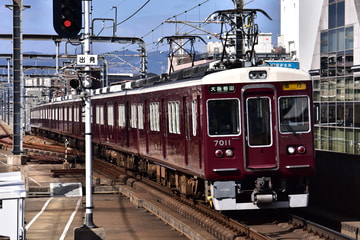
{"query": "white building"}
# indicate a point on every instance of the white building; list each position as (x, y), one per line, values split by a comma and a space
(264, 43)
(298, 29)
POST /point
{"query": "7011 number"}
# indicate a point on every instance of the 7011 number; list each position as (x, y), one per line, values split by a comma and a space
(221, 143)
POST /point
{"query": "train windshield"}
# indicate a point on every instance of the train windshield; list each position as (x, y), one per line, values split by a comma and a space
(223, 117)
(259, 121)
(294, 114)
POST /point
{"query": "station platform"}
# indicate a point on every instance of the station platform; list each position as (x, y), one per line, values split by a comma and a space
(57, 217)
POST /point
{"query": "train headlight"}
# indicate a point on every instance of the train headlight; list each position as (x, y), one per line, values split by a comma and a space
(229, 153)
(262, 74)
(291, 150)
(301, 149)
(219, 153)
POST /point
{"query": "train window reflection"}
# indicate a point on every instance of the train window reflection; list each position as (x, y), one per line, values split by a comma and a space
(294, 114)
(259, 121)
(223, 117)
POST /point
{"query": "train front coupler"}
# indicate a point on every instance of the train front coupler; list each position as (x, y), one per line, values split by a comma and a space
(263, 192)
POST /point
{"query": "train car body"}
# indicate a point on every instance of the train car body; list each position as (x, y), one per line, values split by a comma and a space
(262, 156)
(240, 138)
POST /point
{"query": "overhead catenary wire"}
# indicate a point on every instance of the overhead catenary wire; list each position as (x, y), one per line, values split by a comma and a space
(173, 17)
(126, 19)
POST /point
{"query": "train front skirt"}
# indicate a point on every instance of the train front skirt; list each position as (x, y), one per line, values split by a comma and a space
(224, 198)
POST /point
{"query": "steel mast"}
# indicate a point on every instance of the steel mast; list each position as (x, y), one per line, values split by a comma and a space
(88, 133)
(239, 45)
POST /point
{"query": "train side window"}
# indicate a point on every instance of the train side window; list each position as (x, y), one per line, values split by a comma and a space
(110, 115)
(70, 114)
(174, 117)
(194, 116)
(223, 117)
(154, 117)
(97, 113)
(294, 114)
(121, 112)
(140, 116)
(133, 115)
(100, 115)
(61, 114)
(76, 114)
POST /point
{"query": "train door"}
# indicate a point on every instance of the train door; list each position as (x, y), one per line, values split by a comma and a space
(259, 128)
(193, 136)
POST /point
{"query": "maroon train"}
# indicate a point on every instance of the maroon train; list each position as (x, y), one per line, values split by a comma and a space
(239, 138)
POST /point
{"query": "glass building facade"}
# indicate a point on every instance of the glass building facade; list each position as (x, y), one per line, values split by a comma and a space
(337, 85)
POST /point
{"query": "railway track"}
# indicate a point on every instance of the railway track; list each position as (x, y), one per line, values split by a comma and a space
(37, 148)
(216, 223)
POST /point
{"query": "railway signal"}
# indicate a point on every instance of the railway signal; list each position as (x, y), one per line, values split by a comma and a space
(67, 17)
(74, 83)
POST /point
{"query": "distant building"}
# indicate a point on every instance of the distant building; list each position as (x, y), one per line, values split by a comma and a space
(336, 74)
(264, 43)
(298, 29)
(38, 89)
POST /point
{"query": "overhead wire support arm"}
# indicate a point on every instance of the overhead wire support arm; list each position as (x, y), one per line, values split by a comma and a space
(128, 40)
(188, 23)
(103, 20)
(180, 41)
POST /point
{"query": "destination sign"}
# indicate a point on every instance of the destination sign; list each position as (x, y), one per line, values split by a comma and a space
(222, 89)
(294, 86)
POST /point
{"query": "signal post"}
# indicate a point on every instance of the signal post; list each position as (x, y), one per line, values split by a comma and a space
(68, 23)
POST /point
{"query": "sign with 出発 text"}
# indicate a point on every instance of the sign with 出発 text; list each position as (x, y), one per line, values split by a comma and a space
(87, 60)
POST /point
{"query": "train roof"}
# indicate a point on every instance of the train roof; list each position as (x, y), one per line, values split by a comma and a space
(232, 76)
(260, 74)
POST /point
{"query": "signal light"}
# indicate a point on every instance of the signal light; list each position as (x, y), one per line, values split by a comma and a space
(67, 17)
(67, 23)
(74, 83)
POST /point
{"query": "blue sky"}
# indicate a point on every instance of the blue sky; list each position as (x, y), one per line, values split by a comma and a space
(38, 19)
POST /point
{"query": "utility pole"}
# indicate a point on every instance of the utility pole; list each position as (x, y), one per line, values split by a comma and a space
(17, 159)
(17, 81)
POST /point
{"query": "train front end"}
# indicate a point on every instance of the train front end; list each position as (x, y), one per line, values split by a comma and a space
(258, 143)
